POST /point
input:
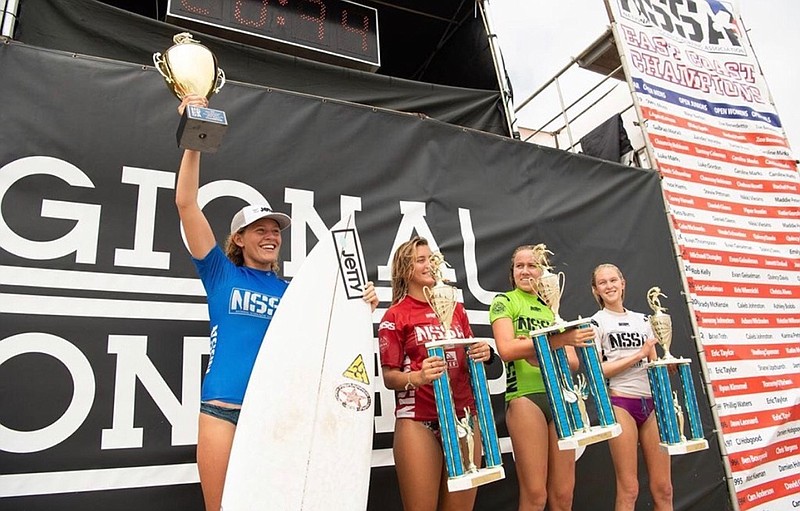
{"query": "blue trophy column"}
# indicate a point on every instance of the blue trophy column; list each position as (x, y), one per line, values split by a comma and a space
(447, 418)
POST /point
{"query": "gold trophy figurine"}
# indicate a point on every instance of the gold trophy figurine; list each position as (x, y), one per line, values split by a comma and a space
(467, 440)
(660, 322)
(188, 67)
(676, 403)
(670, 415)
(441, 297)
(578, 394)
(549, 286)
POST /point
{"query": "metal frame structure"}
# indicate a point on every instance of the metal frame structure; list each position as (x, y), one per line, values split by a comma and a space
(8, 18)
(503, 82)
(605, 57)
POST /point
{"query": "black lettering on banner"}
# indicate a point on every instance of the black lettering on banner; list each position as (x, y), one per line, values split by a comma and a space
(351, 262)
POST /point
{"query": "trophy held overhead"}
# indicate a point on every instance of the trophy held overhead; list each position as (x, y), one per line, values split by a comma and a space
(188, 67)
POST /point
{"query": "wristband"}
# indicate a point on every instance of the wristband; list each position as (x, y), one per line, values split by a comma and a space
(408, 382)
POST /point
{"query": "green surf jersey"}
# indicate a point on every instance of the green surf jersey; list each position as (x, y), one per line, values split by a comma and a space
(527, 313)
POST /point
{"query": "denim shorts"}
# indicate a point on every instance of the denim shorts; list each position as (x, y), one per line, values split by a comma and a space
(221, 412)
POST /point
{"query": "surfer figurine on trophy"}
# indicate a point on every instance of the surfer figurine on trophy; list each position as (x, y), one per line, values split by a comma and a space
(669, 413)
(462, 472)
(567, 400)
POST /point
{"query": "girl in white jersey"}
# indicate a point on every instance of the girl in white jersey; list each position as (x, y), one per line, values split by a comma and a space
(627, 343)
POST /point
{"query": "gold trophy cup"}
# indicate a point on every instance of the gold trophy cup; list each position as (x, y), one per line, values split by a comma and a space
(188, 67)
(550, 286)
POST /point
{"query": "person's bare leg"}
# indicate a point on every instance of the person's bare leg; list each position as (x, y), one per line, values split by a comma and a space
(658, 465)
(560, 474)
(214, 440)
(625, 455)
(529, 437)
(418, 460)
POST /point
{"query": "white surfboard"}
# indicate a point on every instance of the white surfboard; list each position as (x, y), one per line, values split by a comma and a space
(304, 437)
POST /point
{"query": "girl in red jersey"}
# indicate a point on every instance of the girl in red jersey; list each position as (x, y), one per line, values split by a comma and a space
(408, 324)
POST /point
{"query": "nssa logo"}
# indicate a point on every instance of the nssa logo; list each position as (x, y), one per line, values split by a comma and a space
(709, 25)
(252, 303)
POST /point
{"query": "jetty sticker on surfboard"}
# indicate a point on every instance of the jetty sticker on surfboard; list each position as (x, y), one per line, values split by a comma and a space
(354, 278)
(351, 262)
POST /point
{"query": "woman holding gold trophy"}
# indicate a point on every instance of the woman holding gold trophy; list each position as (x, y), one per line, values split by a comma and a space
(546, 474)
(407, 326)
(626, 341)
(248, 264)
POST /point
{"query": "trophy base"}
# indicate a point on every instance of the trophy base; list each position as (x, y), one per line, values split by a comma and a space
(201, 129)
(474, 479)
(668, 361)
(452, 342)
(561, 327)
(697, 444)
(593, 435)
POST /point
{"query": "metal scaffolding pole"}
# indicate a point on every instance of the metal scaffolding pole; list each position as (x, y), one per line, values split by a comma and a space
(500, 71)
(8, 20)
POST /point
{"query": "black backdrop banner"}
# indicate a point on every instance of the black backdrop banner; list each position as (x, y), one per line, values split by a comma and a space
(92, 28)
(104, 329)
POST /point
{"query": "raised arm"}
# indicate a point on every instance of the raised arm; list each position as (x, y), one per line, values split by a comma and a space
(199, 235)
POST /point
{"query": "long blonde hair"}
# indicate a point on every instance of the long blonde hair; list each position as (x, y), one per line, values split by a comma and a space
(235, 253)
(605, 266)
(403, 266)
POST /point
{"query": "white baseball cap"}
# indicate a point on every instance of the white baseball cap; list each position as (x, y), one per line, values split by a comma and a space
(249, 214)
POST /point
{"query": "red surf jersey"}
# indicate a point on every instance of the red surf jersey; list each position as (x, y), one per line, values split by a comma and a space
(402, 334)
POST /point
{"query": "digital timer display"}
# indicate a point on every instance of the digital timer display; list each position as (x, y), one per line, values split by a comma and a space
(326, 30)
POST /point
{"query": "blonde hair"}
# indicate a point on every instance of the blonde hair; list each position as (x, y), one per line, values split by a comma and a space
(604, 266)
(403, 266)
(235, 253)
(533, 248)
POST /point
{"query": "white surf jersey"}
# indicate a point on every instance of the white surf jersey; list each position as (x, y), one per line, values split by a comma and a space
(620, 335)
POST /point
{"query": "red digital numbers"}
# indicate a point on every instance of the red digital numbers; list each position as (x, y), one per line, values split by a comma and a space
(341, 28)
(238, 17)
(319, 19)
(200, 7)
(363, 31)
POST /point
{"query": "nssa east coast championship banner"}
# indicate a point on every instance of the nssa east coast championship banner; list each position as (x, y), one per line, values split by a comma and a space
(734, 202)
